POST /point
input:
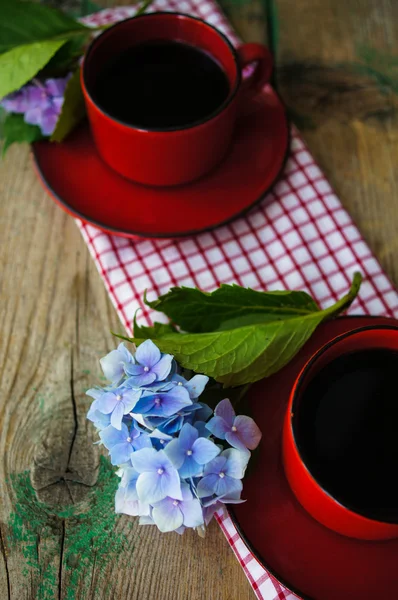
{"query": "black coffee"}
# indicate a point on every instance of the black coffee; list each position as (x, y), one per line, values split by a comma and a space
(347, 431)
(161, 84)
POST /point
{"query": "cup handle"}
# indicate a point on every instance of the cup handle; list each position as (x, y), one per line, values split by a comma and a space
(259, 54)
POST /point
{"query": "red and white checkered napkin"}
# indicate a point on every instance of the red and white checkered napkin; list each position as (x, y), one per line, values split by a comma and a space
(303, 240)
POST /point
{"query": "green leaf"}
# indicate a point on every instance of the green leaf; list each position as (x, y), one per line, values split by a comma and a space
(250, 353)
(230, 306)
(66, 58)
(16, 130)
(24, 23)
(19, 65)
(73, 109)
(158, 330)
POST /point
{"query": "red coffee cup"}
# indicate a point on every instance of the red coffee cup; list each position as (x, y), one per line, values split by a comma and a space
(320, 503)
(175, 155)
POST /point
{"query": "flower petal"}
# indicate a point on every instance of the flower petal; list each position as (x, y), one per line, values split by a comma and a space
(130, 399)
(107, 402)
(143, 441)
(190, 468)
(192, 512)
(163, 367)
(234, 440)
(167, 517)
(148, 354)
(112, 364)
(204, 451)
(236, 462)
(117, 415)
(207, 485)
(225, 410)
(188, 436)
(124, 505)
(153, 487)
(248, 432)
(121, 453)
(216, 465)
(111, 436)
(196, 385)
(145, 460)
(175, 453)
(140, 380)
(144, 405)
(218, 427)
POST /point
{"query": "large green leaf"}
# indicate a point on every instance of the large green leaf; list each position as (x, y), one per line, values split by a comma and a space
(73, 109)
(19, 65)
(230, 306)
(246, 354)
(27, 22)
(16, 130)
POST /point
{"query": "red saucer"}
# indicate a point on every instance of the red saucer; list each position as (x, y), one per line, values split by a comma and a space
(310, 560)
(87, 188)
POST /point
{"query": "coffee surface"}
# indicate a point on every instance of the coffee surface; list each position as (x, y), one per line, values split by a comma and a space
(161, 84)
(346, 430)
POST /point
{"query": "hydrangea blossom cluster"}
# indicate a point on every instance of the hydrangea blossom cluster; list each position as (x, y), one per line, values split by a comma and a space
(178, 461)
(39, 102)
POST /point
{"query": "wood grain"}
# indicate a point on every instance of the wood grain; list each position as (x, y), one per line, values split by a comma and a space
(58, 536)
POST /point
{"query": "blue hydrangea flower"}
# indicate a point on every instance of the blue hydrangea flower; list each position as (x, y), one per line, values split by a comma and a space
(240, 432)
(113, 363)
(174, 423)
(222, 475)
(171, 514)
(162, 404)
(122, 443)
(195, 385)
(118, 402)
(189, 452)
(126, 499)
(150, 365)
(158, 477)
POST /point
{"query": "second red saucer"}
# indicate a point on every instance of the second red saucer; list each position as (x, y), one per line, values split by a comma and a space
(306, 557)
(82, 184)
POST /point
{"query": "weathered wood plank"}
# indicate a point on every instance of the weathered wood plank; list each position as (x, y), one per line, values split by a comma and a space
(338, 73)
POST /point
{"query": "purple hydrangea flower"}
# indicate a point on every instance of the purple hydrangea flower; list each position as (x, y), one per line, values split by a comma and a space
(162, 404)
(240, 432)
(195, 385)
(118, 402)
(122, 443)
(113, 363)
(158, 477)
(40, 102)
(189, 452)
(171, 514)
(126, 499)
(222, 475)
(150, 365)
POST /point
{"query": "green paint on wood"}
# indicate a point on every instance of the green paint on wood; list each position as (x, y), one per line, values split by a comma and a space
(90, 538)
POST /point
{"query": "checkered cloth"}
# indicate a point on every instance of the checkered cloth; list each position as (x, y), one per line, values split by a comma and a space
(303, 240)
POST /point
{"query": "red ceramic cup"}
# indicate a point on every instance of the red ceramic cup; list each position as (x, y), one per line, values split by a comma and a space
(316, 500)
(176, 155)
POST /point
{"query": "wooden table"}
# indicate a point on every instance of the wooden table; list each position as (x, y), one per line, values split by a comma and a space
(337, 70)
